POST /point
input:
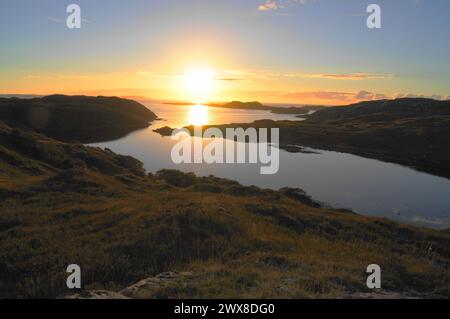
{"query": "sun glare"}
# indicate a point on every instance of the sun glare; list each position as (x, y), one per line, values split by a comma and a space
(199, 84)
(198, 115)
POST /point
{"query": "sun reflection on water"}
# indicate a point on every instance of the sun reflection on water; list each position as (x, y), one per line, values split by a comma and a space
(198, 115)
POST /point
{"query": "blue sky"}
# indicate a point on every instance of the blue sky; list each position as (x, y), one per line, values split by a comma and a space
(299, 50)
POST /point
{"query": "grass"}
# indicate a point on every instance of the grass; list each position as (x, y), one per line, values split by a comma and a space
(67, 203)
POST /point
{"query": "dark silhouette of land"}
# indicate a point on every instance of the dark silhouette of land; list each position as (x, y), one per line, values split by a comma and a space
(76, 118)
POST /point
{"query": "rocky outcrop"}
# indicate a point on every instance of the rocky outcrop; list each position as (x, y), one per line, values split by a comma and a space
(149, 288)
(154, 286)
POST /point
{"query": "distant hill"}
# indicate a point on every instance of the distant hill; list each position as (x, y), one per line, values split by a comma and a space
(20, 96)
(300, 110)
(297, 110)
(384, 110)
(76, 118)
(244, 105)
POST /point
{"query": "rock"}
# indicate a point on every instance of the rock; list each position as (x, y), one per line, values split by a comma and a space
(97, 294)
(379, 294)
(150, 287)
(164, 131)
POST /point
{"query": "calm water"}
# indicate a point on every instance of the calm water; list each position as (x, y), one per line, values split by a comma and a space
(341, 180)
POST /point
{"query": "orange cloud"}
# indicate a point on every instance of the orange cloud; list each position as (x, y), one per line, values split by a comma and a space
(336, 76)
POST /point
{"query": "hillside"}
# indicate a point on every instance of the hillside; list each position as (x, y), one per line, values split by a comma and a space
(59, 116)
(68, 203)
(384, 110)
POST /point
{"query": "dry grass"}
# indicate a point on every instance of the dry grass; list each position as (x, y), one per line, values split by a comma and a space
(100, 211)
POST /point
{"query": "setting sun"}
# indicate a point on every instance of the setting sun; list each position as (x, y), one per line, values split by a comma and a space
(199, 84)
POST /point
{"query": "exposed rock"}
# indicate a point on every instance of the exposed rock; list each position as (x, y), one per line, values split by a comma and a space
(151, 287)
(97, 294)
(164, 131)
(379, 294)
(148, 288)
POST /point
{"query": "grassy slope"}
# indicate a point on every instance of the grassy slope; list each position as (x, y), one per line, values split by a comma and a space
(65, 203)
(59, 116)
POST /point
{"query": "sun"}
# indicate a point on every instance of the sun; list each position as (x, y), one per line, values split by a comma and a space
(199, 84)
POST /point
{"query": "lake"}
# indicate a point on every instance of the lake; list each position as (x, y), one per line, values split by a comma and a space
(367, 186)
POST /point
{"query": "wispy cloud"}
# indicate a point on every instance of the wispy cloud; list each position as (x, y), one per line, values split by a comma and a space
(271, 5)
(340, 76)
(359, 76)
(427, 96)
(331, 97)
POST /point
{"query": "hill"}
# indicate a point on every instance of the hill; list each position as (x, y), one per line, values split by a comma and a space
(384, 110)
(76, 118)
(68, 203)
(242, 105)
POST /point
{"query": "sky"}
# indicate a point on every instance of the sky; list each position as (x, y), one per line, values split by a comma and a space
(286, 51)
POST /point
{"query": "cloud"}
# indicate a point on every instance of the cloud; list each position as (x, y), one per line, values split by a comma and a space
(268, 75)
(272, 5)
(369, 96)
(340, 76)
(232, 75)
(334, 96)
(229, 79)
(426, 96)
(269, 5)
(351, 97)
